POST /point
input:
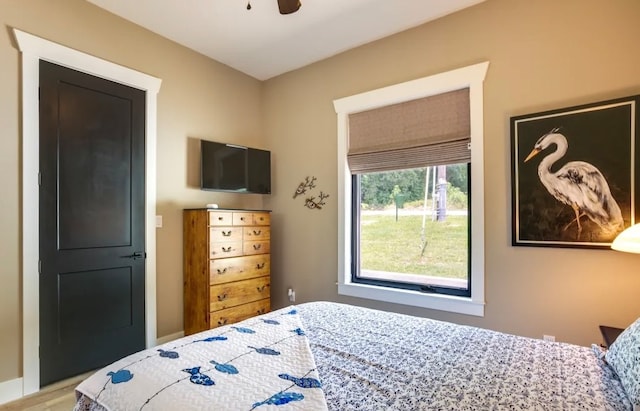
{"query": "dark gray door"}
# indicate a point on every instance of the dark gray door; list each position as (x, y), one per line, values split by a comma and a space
(91, 222)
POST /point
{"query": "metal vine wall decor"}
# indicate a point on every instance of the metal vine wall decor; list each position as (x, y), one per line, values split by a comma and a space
(310, 202)
(304, 186)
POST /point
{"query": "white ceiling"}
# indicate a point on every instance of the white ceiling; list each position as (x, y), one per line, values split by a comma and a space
(263, 43)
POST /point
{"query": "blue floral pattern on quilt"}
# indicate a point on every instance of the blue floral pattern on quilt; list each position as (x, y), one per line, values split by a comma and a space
(375, 360)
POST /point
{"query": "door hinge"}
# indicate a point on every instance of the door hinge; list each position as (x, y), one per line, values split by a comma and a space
(39, 178)
(39, 266)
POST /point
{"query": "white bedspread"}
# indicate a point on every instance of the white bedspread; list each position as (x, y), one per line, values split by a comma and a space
(264, 364)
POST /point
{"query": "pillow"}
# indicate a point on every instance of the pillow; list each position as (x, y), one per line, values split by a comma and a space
(624, 357)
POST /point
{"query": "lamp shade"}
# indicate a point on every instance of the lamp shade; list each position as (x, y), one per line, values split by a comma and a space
(628, 240)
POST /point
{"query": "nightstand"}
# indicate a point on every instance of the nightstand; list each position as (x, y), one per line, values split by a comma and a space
(609, 334)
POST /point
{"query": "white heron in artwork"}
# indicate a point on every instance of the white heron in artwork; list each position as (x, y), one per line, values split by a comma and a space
(579, 185)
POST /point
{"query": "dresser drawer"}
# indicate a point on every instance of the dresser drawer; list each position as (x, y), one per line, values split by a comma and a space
(242, 219)
(245, 219)
(256, 233)
(232, 294)
(225, 234)
(220, 218)
(239, 268)
(256, 247)
(224, 250)
(239, 313)
(261, 218)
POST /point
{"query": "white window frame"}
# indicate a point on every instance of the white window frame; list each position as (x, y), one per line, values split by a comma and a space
(471, 77)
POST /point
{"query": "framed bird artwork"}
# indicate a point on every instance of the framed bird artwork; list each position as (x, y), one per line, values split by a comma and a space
(575, 181)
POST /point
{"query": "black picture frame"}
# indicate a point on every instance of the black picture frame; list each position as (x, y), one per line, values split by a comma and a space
(596, 178)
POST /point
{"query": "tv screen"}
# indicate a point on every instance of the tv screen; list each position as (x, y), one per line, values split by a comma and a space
(228, 167)
(258, 171)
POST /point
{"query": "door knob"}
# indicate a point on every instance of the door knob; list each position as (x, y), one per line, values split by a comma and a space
(135, 255)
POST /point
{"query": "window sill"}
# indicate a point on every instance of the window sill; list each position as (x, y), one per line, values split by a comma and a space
(461, 305)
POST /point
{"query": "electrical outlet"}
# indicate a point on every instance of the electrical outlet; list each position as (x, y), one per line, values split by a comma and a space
(549, 337)
(292, 295)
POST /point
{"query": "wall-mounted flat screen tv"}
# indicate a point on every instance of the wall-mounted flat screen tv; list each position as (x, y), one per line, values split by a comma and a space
(229, 167)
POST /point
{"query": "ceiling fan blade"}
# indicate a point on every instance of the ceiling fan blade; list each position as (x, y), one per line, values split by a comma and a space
(288, 6)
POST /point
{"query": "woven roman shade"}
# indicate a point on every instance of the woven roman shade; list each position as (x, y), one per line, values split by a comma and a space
(430, 131)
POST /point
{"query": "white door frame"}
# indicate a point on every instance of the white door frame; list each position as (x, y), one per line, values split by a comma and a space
(33, 50)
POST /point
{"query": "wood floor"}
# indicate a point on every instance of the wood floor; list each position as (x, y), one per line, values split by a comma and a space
(55, 397)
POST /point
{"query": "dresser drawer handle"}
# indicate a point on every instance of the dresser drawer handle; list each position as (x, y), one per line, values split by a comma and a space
(226, 233)
(261, 311)
(261, 288)
(257, 232)
(222, 321)
(220, 218)
(224, 270)
(226, 249)
(222, 297)
(257, 246)
(260, 266)
(241, 218)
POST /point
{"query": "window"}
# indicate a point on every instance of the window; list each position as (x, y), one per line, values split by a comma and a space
(411, 229)
(395, 140)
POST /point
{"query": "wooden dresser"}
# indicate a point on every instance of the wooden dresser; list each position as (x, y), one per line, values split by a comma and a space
(226, 266)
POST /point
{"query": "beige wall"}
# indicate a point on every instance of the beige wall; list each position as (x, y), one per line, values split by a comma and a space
(199, 98)
(543, 54)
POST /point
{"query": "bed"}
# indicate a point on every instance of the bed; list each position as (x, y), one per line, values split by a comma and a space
(322, 355)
